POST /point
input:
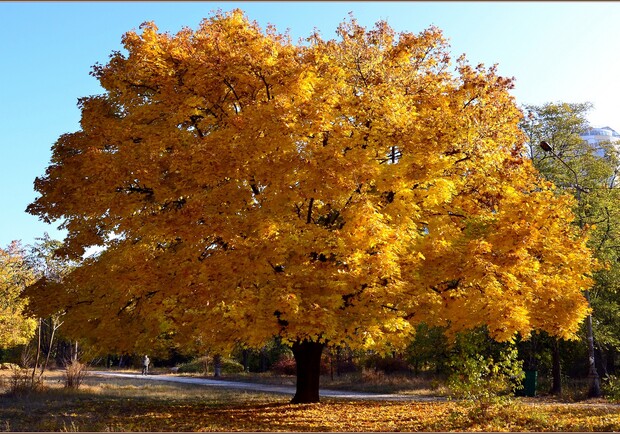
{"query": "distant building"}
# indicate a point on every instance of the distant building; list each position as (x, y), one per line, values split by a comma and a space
(598, 135)
(594, 136)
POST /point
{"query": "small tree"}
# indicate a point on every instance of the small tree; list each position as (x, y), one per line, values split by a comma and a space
(429, 349)
(484, 372)
(46, 265)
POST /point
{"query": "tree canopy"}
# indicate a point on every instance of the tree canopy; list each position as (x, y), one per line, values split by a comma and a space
(342, 191)
(16, 327)
(589, 172)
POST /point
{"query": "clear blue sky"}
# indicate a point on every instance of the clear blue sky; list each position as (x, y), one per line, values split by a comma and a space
(557, 51)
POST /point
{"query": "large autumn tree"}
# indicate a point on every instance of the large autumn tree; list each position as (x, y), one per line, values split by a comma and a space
(329, 192)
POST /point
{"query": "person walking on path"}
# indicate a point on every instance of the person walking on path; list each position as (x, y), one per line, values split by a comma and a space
(145, 365)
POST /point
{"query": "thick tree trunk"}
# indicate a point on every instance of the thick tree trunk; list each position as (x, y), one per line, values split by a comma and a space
(308, 359)
(556, 387)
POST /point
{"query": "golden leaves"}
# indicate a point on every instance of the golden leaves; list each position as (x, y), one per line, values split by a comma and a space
(355, 186)
(157, 408)
(16, 327)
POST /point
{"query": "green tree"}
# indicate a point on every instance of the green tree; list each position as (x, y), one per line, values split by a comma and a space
(482, 370)
(48, 267)
(589, 172)
(429, 350)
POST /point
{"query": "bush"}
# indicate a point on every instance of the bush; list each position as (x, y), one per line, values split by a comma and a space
(483, 379)
(197, 366)
(230, 366)
(388, 365)
(429, 350)
(8, 366)
(22, 383)
(342, 360)
(75, 371)
(12, 354)
(346, 367)
(611, 388)
(261, 360)
(285, 366)
(391, 365)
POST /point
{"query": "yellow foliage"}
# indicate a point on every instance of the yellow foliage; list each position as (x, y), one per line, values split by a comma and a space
(15, 326)
(342, 190)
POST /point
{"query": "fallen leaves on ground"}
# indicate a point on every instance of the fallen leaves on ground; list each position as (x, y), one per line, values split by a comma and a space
(234, 411)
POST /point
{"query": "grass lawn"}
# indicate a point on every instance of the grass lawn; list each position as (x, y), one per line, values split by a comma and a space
(118, 404)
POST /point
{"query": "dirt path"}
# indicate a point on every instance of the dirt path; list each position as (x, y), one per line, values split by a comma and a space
(286, 390)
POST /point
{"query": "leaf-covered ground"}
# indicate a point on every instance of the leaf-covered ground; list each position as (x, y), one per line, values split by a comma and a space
(134, 405)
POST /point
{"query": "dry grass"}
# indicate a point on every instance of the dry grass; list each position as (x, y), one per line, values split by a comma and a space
(367, 381)
(113, 404)
(378, 382)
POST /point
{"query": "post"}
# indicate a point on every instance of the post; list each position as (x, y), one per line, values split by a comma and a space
(217, 365)
(246, 362)
(595, 381)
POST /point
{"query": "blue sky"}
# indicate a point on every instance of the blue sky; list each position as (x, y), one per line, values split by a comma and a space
(557, 51)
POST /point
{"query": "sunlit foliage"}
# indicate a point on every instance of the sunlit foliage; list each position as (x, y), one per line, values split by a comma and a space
(15, 326)
(339, 191)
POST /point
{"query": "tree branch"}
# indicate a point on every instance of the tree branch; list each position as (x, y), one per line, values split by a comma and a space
(309, 218)
(232, 89)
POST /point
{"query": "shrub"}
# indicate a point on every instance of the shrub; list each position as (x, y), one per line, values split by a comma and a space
(230, 366)
(391, 365)
(342, 360)
(22, 383)
(75, 371)
(484, 380)
(197, 366)
(387, 364)
(285, 366)
(261, 360)
(8, 366)
(346, 367)
(429, 350)
(611, 388)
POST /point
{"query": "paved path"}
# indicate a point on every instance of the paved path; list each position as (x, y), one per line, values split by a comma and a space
(270, 388)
